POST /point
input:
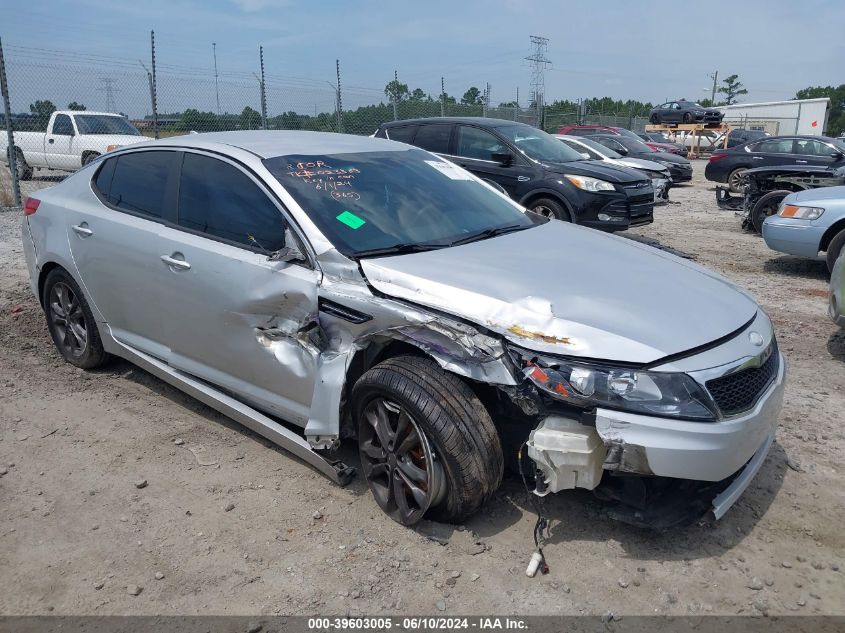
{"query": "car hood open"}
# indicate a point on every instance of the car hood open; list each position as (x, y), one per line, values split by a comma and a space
(564, 289)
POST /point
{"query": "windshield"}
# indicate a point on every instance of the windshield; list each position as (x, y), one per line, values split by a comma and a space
(539, 145)
(634, 145)
(599, 148)
(623, 132)
(380, 200)
(694, 105)
(104, 124)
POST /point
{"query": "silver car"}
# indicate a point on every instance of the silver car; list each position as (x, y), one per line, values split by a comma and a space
(661, 180)
(316, 287)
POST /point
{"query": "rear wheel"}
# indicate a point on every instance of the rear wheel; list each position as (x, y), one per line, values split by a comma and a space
(428, 446)
(834, 249)
(767, 205)
(24, 171)
(550, 208)
(654, 119)
(687, 117)
(71, 324)
(735, 180)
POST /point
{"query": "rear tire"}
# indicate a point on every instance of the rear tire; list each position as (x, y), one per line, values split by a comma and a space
(23, 169)
(455, 461)
(70, 322)
(735, 180)
(766, 206)
(834, 249)
(550, 208)
(687, 117)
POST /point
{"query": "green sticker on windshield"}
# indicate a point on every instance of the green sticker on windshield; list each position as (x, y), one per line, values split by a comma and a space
(351, 220)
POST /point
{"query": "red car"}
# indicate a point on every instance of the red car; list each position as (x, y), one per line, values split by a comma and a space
(589, 130)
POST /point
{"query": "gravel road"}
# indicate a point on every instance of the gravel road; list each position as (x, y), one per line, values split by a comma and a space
(228, 524)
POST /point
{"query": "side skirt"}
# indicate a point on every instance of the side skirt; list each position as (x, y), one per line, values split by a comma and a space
(281, 436)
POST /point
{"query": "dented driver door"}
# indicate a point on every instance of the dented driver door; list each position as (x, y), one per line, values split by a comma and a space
(232, 316)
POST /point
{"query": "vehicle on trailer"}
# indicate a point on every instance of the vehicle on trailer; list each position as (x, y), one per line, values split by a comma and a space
(679, 167)
(809, 223)
(535, 169)
(683, 111)
(592, 130)
(73, 138)
(318, 286)
(836, 307)
(764, 189)
(727, 165)
(661, 179)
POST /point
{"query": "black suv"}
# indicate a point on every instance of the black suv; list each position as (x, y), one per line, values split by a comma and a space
(535, 169)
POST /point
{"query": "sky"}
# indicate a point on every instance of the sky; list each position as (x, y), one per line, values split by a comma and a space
(647, 50)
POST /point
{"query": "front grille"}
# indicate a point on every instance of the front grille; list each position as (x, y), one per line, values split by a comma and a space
(739, 392)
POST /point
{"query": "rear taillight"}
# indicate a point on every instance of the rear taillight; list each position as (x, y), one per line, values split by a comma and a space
(31, 206)
(715, 157)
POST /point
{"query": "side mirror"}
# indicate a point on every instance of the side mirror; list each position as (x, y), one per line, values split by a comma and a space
(837, 155)
(290, 252)
(505, 159)
(622, 150)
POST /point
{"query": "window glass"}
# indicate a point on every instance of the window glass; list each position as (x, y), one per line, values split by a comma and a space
(596, 148)
(139, 183)
(376, 200)
(476, 143)
(434, 138)
(218, 199)
(102, 182)
(403, 134)
(610, 143)
(537, 144)
(812, 148)
(777, 146)
(62, 125)
(104, 124)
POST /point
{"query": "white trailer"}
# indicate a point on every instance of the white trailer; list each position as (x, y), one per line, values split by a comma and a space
(797, 116)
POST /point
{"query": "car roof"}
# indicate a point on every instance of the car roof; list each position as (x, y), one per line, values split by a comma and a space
(487, 121)
(271, 143)
(808, 137)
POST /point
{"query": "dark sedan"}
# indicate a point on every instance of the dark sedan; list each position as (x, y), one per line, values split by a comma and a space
(655, 140)
(683, 111)
(679, 167)
(727, 165)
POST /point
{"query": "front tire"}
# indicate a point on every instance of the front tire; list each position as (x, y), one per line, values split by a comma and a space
(654, 119)
(687, 117)
(834, 249)
(550, 208)
(427, 444)
(767, 205)
(89, 157)
(70, 322)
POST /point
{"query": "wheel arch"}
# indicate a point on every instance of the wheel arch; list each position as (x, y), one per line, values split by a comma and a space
(536, 194)
(46, 269)
(831, 232)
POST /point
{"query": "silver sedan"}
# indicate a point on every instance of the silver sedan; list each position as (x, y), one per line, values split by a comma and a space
(316, 287)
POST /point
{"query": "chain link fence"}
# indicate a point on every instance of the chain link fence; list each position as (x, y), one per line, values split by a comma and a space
(65, 108)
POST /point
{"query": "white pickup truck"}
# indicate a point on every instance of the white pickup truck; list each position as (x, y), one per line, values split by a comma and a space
(73, 138)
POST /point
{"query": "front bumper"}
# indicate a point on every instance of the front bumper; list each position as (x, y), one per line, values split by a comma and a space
(793, 236)
(703, 451)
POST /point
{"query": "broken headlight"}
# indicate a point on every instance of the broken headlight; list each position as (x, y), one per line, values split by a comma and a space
(665, 394)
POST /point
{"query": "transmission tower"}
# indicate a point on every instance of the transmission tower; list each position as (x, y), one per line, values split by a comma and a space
(109, 89)
(539, 63)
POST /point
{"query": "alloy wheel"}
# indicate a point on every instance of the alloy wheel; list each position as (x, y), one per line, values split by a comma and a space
(399, 464)
(68, 320)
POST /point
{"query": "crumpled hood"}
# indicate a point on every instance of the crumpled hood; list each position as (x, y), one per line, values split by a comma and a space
(567, 290)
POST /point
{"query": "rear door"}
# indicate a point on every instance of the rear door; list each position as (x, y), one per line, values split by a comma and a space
(473, 150)
(814, 152)
(115, 244)
(775, 151)
(59, 144)
(232, 316)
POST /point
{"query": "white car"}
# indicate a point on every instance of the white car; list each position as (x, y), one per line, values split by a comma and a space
(73, 138)
(588, 148)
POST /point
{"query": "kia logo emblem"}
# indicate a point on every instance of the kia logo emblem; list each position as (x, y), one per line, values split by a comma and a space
(755, 339)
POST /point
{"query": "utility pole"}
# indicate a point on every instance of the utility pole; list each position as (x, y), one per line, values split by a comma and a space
(339, 101)
(263, 93)
(485, 104)
(216, 84)
(442, 96)
(153, 82)
(538, 81)
(395, 95)
(10, 136)
(715, 76)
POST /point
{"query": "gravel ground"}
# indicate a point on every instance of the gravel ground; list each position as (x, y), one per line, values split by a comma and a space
(228, 524)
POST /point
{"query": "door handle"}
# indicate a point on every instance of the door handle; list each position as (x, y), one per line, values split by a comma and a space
(181, 264)
(50, 141)
(82, 230)
(757, 158)
(801, 162)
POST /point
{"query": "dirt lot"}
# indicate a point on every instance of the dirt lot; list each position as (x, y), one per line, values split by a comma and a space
(229, 524)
